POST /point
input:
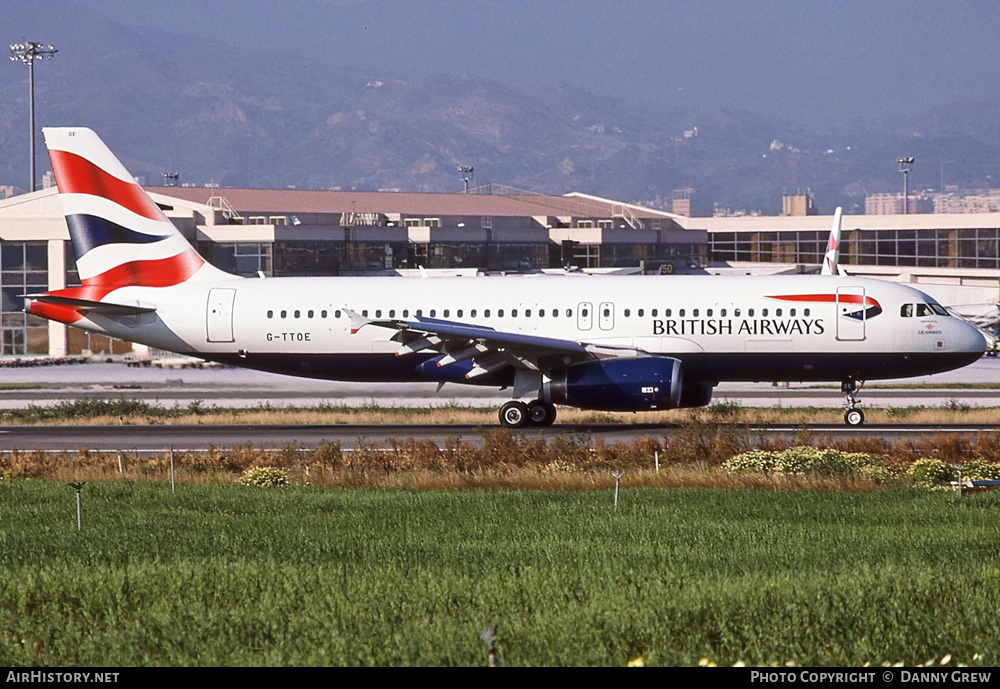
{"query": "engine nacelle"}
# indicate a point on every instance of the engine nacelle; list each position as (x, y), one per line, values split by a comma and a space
(641, 384)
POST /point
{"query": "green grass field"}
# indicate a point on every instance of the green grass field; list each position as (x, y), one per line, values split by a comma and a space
(307, 575)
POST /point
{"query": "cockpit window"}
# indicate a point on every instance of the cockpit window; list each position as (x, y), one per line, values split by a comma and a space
(906, 311)
(939, 310)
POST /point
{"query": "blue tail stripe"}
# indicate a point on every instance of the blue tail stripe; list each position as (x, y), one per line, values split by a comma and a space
(89, 231)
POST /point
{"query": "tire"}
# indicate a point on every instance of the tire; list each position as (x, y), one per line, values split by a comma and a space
(854, 417)
(514, 415)
(541, 414)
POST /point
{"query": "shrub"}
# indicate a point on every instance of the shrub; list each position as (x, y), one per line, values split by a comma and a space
(930, 472)
(264, 476)
(809, 461)
(980, 470)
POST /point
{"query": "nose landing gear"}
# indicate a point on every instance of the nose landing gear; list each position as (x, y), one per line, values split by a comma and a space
(853, 416)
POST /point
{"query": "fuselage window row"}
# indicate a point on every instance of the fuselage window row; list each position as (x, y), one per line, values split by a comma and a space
(906, 311)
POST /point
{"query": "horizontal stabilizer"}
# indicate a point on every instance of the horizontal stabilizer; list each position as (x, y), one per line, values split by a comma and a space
(99, 307)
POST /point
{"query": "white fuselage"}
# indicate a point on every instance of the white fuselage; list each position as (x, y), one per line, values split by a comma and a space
(721, 328)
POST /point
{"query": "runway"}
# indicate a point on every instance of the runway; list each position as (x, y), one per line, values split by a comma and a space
(242, 388)
(185, 438)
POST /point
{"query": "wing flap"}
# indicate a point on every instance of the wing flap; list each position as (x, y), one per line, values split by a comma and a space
(487, 349)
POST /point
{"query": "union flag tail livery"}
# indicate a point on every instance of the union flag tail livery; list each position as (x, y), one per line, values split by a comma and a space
(608, 343)
(120, 236)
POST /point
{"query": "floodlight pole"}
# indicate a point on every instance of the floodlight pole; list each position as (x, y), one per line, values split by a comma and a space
(904, 167)
(27, 52)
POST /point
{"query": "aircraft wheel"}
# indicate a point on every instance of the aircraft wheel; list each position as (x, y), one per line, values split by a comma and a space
(541, 413)
(854, 417)
(514, 414)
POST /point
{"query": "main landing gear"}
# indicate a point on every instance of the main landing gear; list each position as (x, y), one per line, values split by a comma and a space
(853, 416)
(517, 414)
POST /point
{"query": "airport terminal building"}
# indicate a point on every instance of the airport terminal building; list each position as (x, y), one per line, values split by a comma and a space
(490, 229)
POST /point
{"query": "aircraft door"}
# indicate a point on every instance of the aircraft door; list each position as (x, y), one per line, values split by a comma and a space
(852, 312)
(585, 315)
(220, 315)
(606, 315)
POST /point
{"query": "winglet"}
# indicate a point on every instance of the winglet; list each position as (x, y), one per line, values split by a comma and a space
(832, 246)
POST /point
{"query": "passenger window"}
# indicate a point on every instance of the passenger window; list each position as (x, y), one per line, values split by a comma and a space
(694, 314)
(378, 313)
(777, 312)
(584, 313)
(607, 312)
(284, 314)
(297, 313)
(806, 313)
(654, 313)
(433, 313)
(722, 313)
(763, 313)
(513, 313)
(640, 312)
(270, 314)
(541, 313)
(791, 312)
(499, 313)
(527, 313)
(392, 313)
(681, 313)
(627, 312)
(472, 314)
(310, 313)
(708, 313)
(749, 313)
(569, 313)
(420, 312)
(667, 313)
(406, 313)
(364, 312)
(459, 314)
(446, 312)
(486, 313)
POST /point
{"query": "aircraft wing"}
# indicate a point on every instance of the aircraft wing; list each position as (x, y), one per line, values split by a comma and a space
(488, 349)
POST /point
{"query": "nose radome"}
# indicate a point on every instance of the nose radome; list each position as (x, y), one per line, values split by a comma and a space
(969, 339)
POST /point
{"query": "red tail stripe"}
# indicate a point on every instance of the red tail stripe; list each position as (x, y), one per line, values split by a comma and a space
(842, 298)
(77, 175)
(162, 272)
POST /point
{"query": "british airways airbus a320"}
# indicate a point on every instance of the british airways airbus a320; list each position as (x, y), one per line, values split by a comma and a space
(611, 343)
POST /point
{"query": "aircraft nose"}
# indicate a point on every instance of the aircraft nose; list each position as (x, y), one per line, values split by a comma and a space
(968, 338)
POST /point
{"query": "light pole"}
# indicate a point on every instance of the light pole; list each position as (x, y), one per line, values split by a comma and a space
(27, 52)
(904, 167)
(466, 172)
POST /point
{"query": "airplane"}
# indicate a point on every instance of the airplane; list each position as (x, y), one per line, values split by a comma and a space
(622, 343)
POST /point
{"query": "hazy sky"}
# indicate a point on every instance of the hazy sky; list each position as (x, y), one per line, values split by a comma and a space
(803, 58)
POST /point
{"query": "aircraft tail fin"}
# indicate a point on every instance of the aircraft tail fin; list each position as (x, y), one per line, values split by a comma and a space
(120, 236)
(833, 246)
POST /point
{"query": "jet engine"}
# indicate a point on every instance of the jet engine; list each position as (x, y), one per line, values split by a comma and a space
(640, 384)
